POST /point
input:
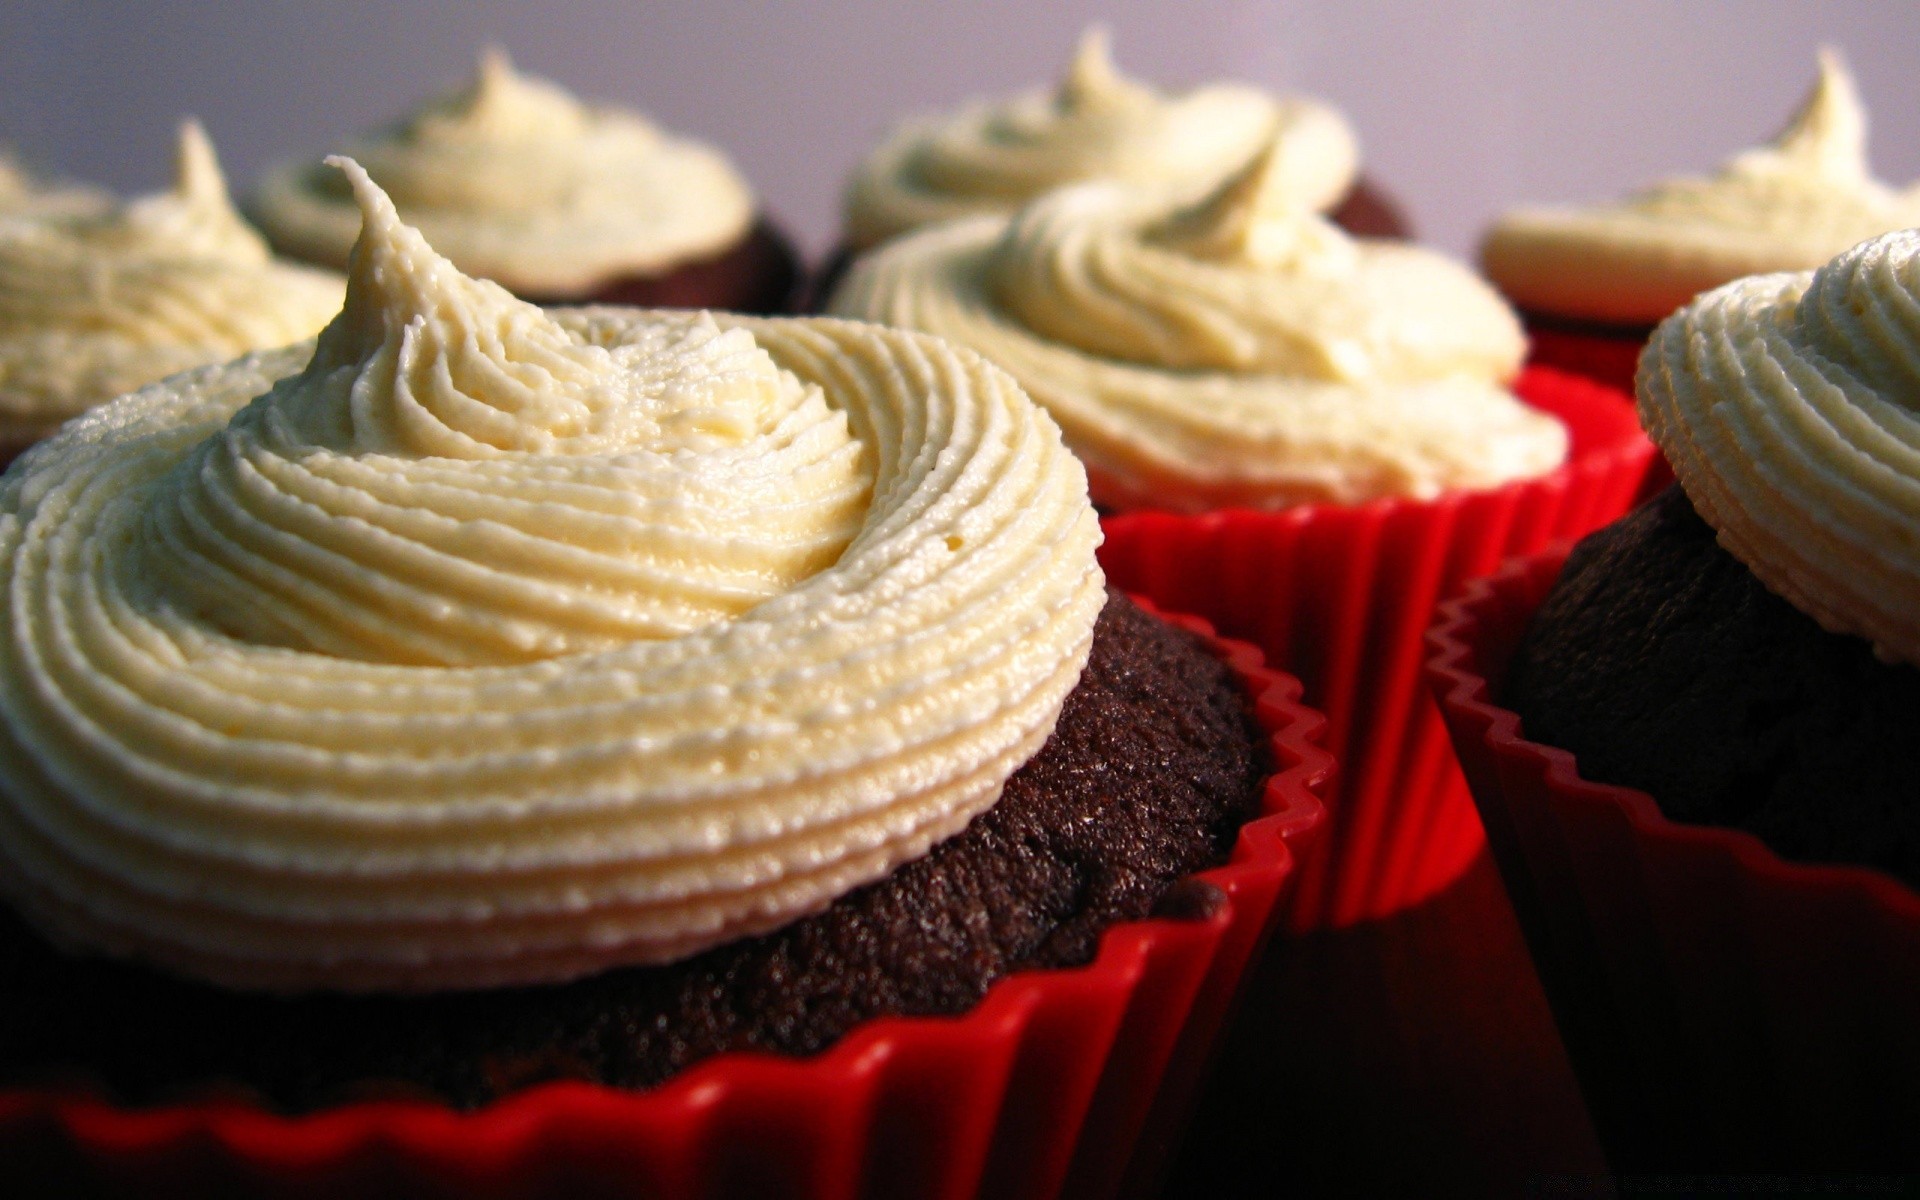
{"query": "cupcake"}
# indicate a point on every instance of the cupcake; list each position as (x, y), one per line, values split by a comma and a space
(1739, 664)
(100, 298)
(1593, 282)
(1288, 424)
(991, 157)
(558, 201)
(483, 696)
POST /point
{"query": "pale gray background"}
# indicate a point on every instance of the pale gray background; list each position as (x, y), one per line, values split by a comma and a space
(1463, 106)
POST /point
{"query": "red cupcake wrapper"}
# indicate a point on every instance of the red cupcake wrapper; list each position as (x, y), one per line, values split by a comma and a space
(1611, 362)
(1725, 1009)
(1041, 1089)
(1340, 595)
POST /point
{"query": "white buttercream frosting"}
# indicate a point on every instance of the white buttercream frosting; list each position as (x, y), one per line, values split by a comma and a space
(992, 157)
(1790, 205)
(97, 301)
(517, 181)
(1241, 351)
(22, 193)
(476, 645)
(1789, 406)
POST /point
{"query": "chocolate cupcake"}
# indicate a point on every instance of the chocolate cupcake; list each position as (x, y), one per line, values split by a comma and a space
(1593, 282)
(1697, 776)
(558, 201)
(494, 695)
(1305, 437)
(992, 157)
(1748, 656)
(100, 298)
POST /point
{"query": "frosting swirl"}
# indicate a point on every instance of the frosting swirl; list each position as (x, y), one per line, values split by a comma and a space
(97, 301)
(992, 157)
(1787, 206)
(1239, 351)
(22, 194)
(517, 181)
(499, 646)
(1787, 406)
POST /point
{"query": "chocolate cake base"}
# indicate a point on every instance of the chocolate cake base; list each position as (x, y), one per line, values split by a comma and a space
(1663, 664)
(1152, 769)
(1366, 212)
(760, 274)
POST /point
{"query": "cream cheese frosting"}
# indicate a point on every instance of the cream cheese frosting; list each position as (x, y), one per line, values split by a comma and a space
(97, 301)
(1241, 351)
(1789, 406)
(24, 194)
(992, 157)
(475, 645)
(1788, 206)
(517, 181)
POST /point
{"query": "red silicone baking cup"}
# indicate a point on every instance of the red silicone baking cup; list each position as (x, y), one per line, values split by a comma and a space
(1608, 361)
(1339, 596)
(1611, 362)
(1726, 1010)
(1058, 1082)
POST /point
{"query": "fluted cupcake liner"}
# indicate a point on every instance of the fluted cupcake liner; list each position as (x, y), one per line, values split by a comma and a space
(1058, 1082)
(1340, 597)
(1610, 360)
(1725, 1009)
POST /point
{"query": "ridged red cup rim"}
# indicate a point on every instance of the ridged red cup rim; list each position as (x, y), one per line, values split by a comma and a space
(1464, 689)
(511, 1129)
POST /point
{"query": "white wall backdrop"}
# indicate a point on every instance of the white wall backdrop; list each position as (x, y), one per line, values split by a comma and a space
(1463, 106)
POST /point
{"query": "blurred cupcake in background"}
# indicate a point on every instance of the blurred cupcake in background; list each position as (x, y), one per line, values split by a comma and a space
(1592, 282)
(558, 201)
(993, 156)
(1303, 437)
(99, 298)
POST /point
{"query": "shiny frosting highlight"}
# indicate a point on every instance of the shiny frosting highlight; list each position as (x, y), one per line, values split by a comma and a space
(477, 645)
(992, 157)
(1241, 351)
(1788, 206)
(97, 300)
(1789, 406)
(517, 181)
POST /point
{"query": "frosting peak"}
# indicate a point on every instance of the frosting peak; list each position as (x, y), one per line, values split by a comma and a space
(1092, 80)
(1826, 138)
(1257, 219)
(1787, 405)
(1789, 205)
(518, 181)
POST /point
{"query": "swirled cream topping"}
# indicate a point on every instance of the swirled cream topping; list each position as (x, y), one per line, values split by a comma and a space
(1242, 351)
(991, 158)
(1789, 406)
(475, 644)
(24, 194)
(95, 302)
(1787, 206)
(517, 181)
